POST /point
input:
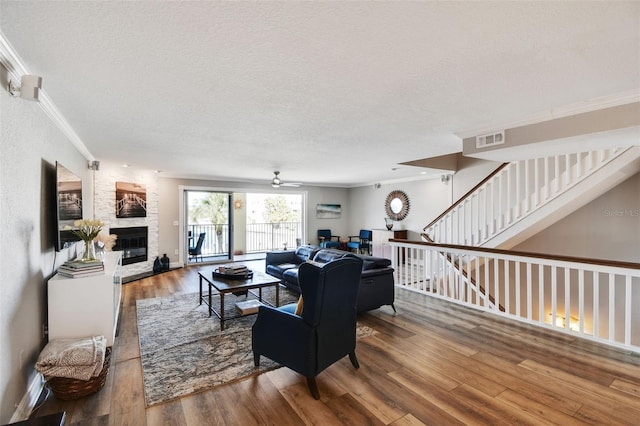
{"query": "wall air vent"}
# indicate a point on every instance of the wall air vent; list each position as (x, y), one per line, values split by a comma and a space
(491, 139)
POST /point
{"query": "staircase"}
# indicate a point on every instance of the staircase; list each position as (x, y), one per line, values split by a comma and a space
(521, 198)
(464, 257)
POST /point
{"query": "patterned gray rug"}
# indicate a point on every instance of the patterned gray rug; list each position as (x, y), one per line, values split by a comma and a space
(183, 350)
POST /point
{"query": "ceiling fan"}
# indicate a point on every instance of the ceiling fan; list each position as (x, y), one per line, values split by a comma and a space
(277, 183)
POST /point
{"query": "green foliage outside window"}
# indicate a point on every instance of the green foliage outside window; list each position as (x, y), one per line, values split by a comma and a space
(278, 210)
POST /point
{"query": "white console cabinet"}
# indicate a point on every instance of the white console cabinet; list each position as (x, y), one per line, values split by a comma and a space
(380, 241)
(87, 306)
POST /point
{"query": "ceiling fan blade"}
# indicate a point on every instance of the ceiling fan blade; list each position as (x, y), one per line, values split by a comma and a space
(276, 182)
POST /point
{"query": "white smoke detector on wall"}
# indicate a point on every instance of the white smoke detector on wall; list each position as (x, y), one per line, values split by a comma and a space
(491, 139)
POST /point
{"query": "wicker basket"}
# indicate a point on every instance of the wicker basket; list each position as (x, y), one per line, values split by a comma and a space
(69, 389)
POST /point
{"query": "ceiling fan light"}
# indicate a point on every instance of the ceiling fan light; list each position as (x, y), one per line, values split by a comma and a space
(276, 180)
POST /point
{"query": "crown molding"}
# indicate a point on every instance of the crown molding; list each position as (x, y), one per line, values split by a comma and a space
(595, 104)
(16, 68)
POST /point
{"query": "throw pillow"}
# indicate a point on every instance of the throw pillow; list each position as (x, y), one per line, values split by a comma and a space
(298, 310)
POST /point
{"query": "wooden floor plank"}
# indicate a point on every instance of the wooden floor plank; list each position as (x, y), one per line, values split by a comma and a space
(458, 408)
(94, 421)
(235, 411)
(372, 354)
(408, 420)
(624, 386)
(374, 397)
(202, 409)
(97, 405)
(441, 360)
(432, 363)
(311, 411)
(545, 413)
(350, 412)
(169, 414)
(599, 416)
(552, 356)
(583, 359)
(418, 366)
(283, 377)
(603, 391)
(127, 396)
(618, 413)
(384, 389)
(425, 327)
(269, 402)
(504, 412)
(514, 381)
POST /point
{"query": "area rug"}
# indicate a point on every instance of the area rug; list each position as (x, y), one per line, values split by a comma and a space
(183, 350)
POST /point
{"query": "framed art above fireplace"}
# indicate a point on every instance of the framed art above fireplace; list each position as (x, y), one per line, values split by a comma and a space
(131, 200)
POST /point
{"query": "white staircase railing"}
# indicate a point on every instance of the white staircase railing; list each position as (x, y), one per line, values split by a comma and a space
(591, 299)
(512, 193)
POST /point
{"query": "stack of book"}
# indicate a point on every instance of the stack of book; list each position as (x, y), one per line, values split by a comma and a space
(77, 269)
(233, 269)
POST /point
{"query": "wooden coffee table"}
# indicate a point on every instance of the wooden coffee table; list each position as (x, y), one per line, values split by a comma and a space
(259, 281)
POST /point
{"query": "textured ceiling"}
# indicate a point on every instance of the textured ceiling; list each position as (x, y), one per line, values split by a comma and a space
(335, 93)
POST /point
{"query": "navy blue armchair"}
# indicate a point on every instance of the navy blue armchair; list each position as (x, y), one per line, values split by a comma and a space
(362, 243)
(326, 240)
(324, 332)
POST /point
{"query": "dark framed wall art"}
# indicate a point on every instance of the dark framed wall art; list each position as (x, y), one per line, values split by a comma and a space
(131, 200)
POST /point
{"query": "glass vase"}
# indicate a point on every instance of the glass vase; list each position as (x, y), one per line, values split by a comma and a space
(99, 248)
(89, 251)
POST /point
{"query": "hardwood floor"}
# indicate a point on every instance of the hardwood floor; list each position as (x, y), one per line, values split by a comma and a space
(433, 363)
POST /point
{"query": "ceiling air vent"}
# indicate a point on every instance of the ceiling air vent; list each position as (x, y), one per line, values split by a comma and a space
(491, 139)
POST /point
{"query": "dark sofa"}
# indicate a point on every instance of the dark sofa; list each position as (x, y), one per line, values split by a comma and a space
(376, 282)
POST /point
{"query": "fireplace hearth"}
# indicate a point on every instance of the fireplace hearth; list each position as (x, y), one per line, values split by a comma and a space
(132, 242)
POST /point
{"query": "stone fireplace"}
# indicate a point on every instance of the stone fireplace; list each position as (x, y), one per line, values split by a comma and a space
(143, 248)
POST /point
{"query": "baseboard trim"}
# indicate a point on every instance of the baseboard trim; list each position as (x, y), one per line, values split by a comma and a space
(30, 398)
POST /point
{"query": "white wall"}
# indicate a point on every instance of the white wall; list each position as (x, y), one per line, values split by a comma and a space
(30, 146)
(471, 172)
(169, 207)
(606, 228)
(362, 207)
(427, 199)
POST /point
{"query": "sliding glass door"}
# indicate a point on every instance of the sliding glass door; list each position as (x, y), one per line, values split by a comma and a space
(208, 230)
(274, 221)
(222, 224)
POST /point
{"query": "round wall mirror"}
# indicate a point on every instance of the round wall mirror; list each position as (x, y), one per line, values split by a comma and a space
(397, 205)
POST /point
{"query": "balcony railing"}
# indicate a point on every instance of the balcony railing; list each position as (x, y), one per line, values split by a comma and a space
(272, 236)
(216, 239)
(260, 237)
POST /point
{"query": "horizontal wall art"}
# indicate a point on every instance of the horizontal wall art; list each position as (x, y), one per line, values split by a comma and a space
(131, 200)
(328, 211)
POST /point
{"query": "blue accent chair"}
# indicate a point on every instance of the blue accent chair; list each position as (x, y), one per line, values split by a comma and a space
(362, 243)
(324, 332)
(326, 240)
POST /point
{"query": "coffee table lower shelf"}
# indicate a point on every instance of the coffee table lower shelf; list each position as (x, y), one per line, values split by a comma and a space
(224, 286)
